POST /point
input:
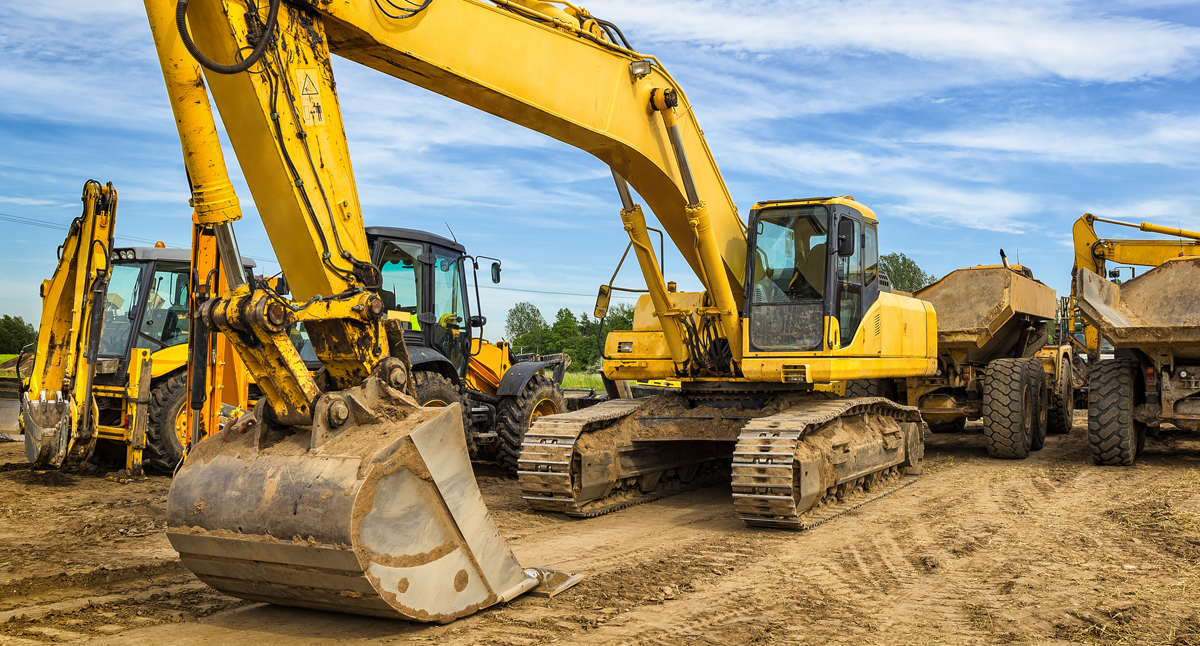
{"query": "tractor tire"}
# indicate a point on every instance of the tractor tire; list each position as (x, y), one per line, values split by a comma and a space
(436, 391)
(1041, 415)
(1062, 401)
(1009, 402)
(1112, 432)
(885, 388)
(956, 425)
(516, 414)
(166, 430)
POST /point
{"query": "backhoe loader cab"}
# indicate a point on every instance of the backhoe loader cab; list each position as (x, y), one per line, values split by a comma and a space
(146, 308)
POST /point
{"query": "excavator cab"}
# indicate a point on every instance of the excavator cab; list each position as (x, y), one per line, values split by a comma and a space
(794, 266)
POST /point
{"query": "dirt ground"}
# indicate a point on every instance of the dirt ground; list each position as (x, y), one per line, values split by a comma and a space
(1049, 550)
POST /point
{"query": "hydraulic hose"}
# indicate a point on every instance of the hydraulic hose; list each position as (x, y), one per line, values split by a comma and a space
(209, 64)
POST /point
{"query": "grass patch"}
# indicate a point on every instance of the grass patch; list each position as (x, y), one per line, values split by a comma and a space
(582, 380)
(6, 357)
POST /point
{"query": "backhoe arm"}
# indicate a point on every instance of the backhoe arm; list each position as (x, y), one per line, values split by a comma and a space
(57, 408)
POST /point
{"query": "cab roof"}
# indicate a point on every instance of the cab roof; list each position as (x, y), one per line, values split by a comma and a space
(844, 200)
(168, 254)
(412, 235)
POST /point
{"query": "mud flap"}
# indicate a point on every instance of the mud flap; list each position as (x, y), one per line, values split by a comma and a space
(382, 517)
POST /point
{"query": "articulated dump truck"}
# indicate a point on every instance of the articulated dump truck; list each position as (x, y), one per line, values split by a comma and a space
(1153, 321)
(994, 363)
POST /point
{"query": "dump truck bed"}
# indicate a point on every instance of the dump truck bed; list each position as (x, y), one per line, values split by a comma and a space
(1158, 309)
(978, 307)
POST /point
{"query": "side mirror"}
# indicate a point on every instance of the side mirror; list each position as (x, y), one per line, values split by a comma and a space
(495, 272)
(846, 240)
(478, 321)
(602, 300)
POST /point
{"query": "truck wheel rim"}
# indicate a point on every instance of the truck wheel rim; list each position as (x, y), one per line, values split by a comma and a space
(543, 407)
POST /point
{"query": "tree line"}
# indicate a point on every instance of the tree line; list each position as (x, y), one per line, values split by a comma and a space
(529, 332)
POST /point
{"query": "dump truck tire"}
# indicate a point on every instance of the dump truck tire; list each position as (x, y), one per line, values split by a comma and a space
(435, 390)
(885, 388)
(1008, 408)
(1041, 415)
(1112, 432)
(164, 445)
(516, 414)
(956, 425)
(1062, 401)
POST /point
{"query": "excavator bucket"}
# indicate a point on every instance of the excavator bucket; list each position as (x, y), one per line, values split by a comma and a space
(380, 516)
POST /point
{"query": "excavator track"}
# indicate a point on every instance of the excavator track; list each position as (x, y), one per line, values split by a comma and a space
(814, 462)
(605, 458)
(557, 474)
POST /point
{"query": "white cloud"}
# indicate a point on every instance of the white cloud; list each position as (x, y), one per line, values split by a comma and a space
(24, 201)
(1121, 139)
(1070, 40)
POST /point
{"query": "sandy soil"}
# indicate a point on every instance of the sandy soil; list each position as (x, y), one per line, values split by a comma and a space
(1045, 550)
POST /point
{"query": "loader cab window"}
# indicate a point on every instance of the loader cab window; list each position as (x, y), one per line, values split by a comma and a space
(450, 334)
(787, 293)
(164, 322)
(120, 309)
(850, 276)
(402, 282)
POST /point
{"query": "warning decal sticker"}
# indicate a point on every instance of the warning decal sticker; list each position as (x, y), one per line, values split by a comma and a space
(309, 82)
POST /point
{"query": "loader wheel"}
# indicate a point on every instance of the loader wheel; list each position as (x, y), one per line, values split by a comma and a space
(1009, 401)
(885, 388)
(436, 391)
(1062, 401)
(515, 415)
(166, 432)
(1112, 432)
(1041, 414)
(956, 425)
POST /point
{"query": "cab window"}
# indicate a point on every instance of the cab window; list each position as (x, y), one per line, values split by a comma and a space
(402, 278)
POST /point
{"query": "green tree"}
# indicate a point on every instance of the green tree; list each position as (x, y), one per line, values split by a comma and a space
(522, 319)
(15, 334)
(903, 272)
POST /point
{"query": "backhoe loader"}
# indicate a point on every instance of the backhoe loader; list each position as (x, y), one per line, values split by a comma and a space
(1151, 322)
(108, 380)
(339, 492)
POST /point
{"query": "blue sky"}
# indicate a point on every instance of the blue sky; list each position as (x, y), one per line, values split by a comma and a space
(967, 126)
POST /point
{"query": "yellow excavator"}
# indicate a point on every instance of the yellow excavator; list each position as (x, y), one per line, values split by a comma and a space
(1150, 321)
(339, 492)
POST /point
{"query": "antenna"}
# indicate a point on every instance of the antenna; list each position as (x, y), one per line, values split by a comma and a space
(451, 231)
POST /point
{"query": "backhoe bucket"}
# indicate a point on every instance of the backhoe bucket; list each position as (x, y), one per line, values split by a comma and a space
(47, 428)
(380, 516)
